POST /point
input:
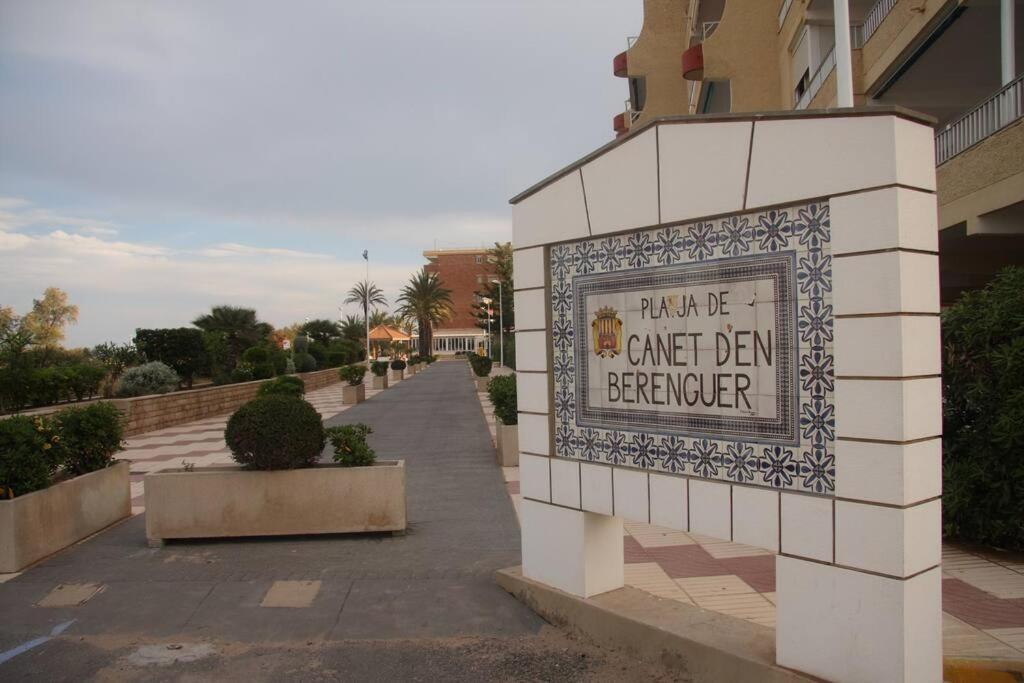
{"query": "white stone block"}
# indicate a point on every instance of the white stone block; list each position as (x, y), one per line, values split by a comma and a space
(532, 391)
(844, 625)
(894, 541)
(631, 495)
(534, 477)
(889, 410)
(891, 218)
(755, 517)
(888, 346)
(668, 501)
(565, 482)
(534, 434)
(703, 168)
(793, 159)
(889, 282)
(596, 488)
(621, 186)
(554, 213)
(807, 526)
(897, 474)
(529, 307)
(528, 267)
(578, 552)
(711, 509)
(532, 351)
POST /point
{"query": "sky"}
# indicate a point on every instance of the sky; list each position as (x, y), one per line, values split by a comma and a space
(158, 158)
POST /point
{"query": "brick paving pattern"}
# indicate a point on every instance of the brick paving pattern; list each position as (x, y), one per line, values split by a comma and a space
(982, 592)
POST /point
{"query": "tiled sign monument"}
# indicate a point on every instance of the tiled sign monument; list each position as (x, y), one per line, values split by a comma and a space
(730, 327)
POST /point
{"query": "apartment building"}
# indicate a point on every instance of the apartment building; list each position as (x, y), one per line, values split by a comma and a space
(959, 61)
(464, 272)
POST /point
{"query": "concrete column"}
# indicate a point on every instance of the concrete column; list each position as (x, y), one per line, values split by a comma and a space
(844, 66)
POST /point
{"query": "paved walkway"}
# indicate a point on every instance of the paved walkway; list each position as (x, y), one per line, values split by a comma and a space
(982, 591)
(117, 608)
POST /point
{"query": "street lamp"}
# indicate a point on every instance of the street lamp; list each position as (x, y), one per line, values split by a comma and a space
(501, 322)
(487, 302)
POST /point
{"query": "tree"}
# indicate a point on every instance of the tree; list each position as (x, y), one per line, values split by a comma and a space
(48, 318)
(322, 331)
(239, 327)
(115, 357)
(425, 300)
(353, 328)
(366, 294)
(180, 348)
(379, 317)
(501, 257)
(279, 336)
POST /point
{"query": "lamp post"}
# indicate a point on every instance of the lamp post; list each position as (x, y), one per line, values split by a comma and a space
(487, 302)
(501, 323)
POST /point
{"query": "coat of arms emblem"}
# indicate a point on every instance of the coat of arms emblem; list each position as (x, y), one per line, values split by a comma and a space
(607, 330)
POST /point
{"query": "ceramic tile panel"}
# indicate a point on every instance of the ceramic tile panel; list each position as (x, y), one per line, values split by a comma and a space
(751, 293)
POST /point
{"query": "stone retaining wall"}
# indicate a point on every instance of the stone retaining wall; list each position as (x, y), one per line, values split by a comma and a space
(149, 413)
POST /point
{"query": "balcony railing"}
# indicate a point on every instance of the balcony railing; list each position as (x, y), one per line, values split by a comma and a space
(876, 15)
(783, 11)
(631, 114)
(707, 28)
(827, 65)
(988, 118)
(630, 40)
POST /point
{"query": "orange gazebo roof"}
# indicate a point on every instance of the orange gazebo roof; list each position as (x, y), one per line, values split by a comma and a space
(388, 333)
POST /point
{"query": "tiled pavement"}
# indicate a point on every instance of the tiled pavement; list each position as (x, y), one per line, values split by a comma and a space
(982, 592)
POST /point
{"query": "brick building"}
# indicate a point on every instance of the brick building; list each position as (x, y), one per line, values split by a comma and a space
(464, 272)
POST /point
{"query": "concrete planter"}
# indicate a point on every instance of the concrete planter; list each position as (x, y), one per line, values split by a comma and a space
(508, 445)
(228, 501)
(397, 375)
(42, 522)
(351, 395)
(481, 384)
(380, 383)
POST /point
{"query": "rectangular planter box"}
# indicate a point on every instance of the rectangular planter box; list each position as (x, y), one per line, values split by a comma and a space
(380, 383)
(412, 369)
(353, 394)
(481, 384)
(42, 522)
(228, 501)
(397, 375)
(508, 445)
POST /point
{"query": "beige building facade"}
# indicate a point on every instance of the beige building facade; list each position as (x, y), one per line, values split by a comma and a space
(958, 61)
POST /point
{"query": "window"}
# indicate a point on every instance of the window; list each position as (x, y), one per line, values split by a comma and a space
(479, 259)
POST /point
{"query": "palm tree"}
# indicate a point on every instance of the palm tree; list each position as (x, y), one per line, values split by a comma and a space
(366, 294)
(353, 328)
(428, 302)
(239, 327)
(379, 317)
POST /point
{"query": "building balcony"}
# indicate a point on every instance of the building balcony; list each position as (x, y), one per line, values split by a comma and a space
(693, 63)
(620, 125)
(620, 65)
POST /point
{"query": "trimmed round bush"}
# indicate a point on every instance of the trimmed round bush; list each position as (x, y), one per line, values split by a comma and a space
(350, 446)
(379, 368)
(149, 378)
(28, 448)
(353, 374)
(398, 364)
(275, 433)
(89, 437)
(481, 365)
(286, 385)
(304, 362)
(502, 392)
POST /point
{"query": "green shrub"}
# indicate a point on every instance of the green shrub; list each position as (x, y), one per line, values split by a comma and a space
(319, 353)
(304, 362)
(481, 365)
(414, 360)
(15, 387)
(84, 379)
(429, 359)
(983, 416)
(182, 349)
(49, 386)
(89, 437)
(344, 352)
(256, 355)
(379, 368)
(502, 392)
(243, 372)
(286, 385)
(353, 374)
(149, 378)
(301, 344)
(350, 446)
(398, 364)
(28, 455)
(221, 378)
(275, 433)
